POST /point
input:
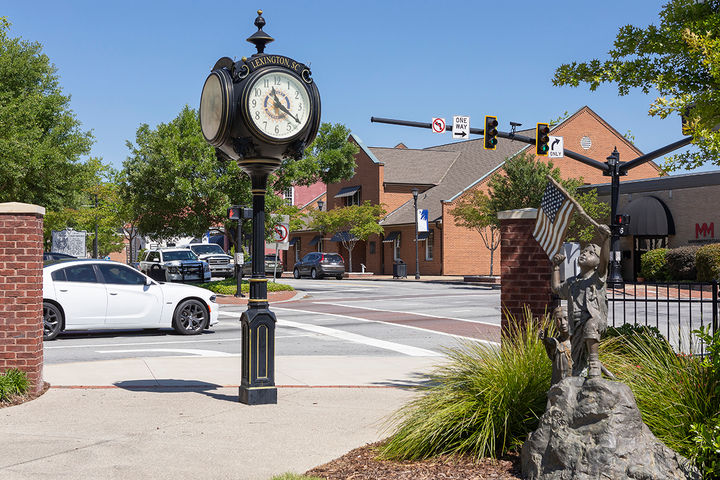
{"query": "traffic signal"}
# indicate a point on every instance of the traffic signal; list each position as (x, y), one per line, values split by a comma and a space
(542, 138)
(491, 132)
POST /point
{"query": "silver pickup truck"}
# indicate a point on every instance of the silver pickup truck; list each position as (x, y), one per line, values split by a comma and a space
(221, 264)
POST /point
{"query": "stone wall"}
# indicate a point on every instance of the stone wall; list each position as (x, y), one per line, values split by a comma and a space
(524, 266)
(21, 284)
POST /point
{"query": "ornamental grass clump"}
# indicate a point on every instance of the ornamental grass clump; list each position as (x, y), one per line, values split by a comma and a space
(674, 392)
(483, 402)
(13, 382)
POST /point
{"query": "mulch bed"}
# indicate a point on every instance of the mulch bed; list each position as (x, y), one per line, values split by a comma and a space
(18, 399)
(363, 464)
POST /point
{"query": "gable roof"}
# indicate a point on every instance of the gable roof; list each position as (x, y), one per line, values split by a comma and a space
(410, 166)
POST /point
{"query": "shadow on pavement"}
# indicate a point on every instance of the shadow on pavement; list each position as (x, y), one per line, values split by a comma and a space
(174, 386)
(414, 381)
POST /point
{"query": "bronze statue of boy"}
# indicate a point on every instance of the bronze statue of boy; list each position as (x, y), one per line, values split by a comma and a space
(587, 304)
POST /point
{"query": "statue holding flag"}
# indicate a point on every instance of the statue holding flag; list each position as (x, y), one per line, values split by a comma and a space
(586, 294)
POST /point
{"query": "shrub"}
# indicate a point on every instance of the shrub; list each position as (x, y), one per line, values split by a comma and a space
(627, 333)
(707, 448)
(13, 382)
(228, 286)
(485, 401)
(681, 263)
(653, 265)
(707, 261)
(673, 392)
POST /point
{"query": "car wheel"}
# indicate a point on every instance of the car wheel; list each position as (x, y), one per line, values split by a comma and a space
(339, 277)
(315, 275)
(52, 321)
(191, 317)
(296, 273)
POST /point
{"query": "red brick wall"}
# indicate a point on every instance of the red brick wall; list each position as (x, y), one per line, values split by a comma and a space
(525, 267)
(21, 284)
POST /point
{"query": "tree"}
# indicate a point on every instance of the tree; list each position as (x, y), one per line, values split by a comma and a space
(353, 223)
(680, 59)
(521, 184)
(40, 139)
(174, 182)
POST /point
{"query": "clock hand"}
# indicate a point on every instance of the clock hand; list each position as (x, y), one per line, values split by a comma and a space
(282, 107)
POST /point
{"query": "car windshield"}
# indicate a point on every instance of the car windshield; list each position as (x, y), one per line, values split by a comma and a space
(205, 249)
(270, 258)
(179, 255)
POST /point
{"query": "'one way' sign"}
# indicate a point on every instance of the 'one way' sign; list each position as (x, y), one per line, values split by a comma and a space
(461, 126)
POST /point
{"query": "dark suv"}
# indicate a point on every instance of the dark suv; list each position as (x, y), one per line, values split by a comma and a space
(319, 265)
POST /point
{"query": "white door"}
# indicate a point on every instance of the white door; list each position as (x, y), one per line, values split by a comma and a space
(82, 296)
(131, 302)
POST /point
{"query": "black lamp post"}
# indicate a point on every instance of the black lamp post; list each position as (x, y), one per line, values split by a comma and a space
(614, 171)
(320, 204)
(258, 111)
(417, 251)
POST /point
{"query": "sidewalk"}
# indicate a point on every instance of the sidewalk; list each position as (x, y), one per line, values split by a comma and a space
(178, 417)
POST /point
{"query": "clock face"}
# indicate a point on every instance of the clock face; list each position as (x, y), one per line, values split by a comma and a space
(214, 107)
(278, 105)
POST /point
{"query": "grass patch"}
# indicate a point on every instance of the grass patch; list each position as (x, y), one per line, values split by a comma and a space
(228, 286)
(673, 392)
(483, 402)
(12, 383)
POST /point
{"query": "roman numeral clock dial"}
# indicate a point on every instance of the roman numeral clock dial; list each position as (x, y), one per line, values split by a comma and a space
(278, 105)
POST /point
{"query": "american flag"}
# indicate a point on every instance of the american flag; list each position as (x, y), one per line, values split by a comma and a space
(553, 219)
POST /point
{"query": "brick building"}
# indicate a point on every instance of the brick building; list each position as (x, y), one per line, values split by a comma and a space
(443, 175)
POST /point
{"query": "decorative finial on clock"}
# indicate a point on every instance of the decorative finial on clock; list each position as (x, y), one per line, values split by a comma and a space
(260, 38)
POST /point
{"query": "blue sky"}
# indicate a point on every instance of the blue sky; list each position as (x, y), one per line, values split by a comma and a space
(128, 63)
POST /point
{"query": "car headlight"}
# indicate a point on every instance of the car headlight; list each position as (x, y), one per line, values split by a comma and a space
(172, 269)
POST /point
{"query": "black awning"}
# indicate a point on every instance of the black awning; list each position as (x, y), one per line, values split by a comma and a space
(347, 191)
(422, 236)
(392, 236)
(293, 241)
(315, 240)
(650, 216)
(343, 236)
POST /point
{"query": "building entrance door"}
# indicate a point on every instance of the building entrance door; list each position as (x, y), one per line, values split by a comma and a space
(643, 244)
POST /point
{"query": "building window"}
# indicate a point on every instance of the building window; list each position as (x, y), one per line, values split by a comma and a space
(297, 250)
(396, 248)
(429, 244)
(288, 196)
(353, 199)
(372, 248)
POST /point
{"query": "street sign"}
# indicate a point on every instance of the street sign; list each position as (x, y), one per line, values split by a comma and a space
(556, 147)
(438, 125)
(280, 234)
(422, 219)
(461, 126)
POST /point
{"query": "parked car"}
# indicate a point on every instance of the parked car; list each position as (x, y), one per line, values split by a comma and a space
(272, 264)
(319, 265)
(102, 294)
(174, 265)
(221, 264)
(51, 256)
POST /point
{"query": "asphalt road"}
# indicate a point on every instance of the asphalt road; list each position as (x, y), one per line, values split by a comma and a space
(348, 317)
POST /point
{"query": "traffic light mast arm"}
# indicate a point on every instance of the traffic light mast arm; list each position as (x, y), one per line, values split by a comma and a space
(654, 154)
(479, 131)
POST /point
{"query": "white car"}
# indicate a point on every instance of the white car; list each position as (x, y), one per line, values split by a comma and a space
(101, 294)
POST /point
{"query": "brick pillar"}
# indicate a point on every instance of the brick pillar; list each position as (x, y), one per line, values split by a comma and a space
(524, 266)
(21, 284)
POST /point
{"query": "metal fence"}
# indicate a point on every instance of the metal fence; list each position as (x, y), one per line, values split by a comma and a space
(675, 309)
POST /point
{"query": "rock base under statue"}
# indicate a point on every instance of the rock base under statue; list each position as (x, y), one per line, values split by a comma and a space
(592, 429)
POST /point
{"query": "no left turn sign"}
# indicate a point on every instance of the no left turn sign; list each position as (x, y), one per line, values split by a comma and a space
(438, 125)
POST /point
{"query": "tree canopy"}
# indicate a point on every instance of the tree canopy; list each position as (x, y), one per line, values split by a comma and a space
(680, 60)
(40, 139)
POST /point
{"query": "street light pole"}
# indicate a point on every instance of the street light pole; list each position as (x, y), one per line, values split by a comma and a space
(238, 249)
(614, 171)
(417, 255)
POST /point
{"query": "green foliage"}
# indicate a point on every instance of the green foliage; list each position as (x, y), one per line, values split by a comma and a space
(681, 263)
(360, 221)
(707, 262)
(13, 382)
(653, 265)
(228, 286)
(40, 139)
(680, 59)
(330, 159)
(484, 402)
(628, 333)
(707, 448)
(579, 230)
(673, 392)
(174, 183)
